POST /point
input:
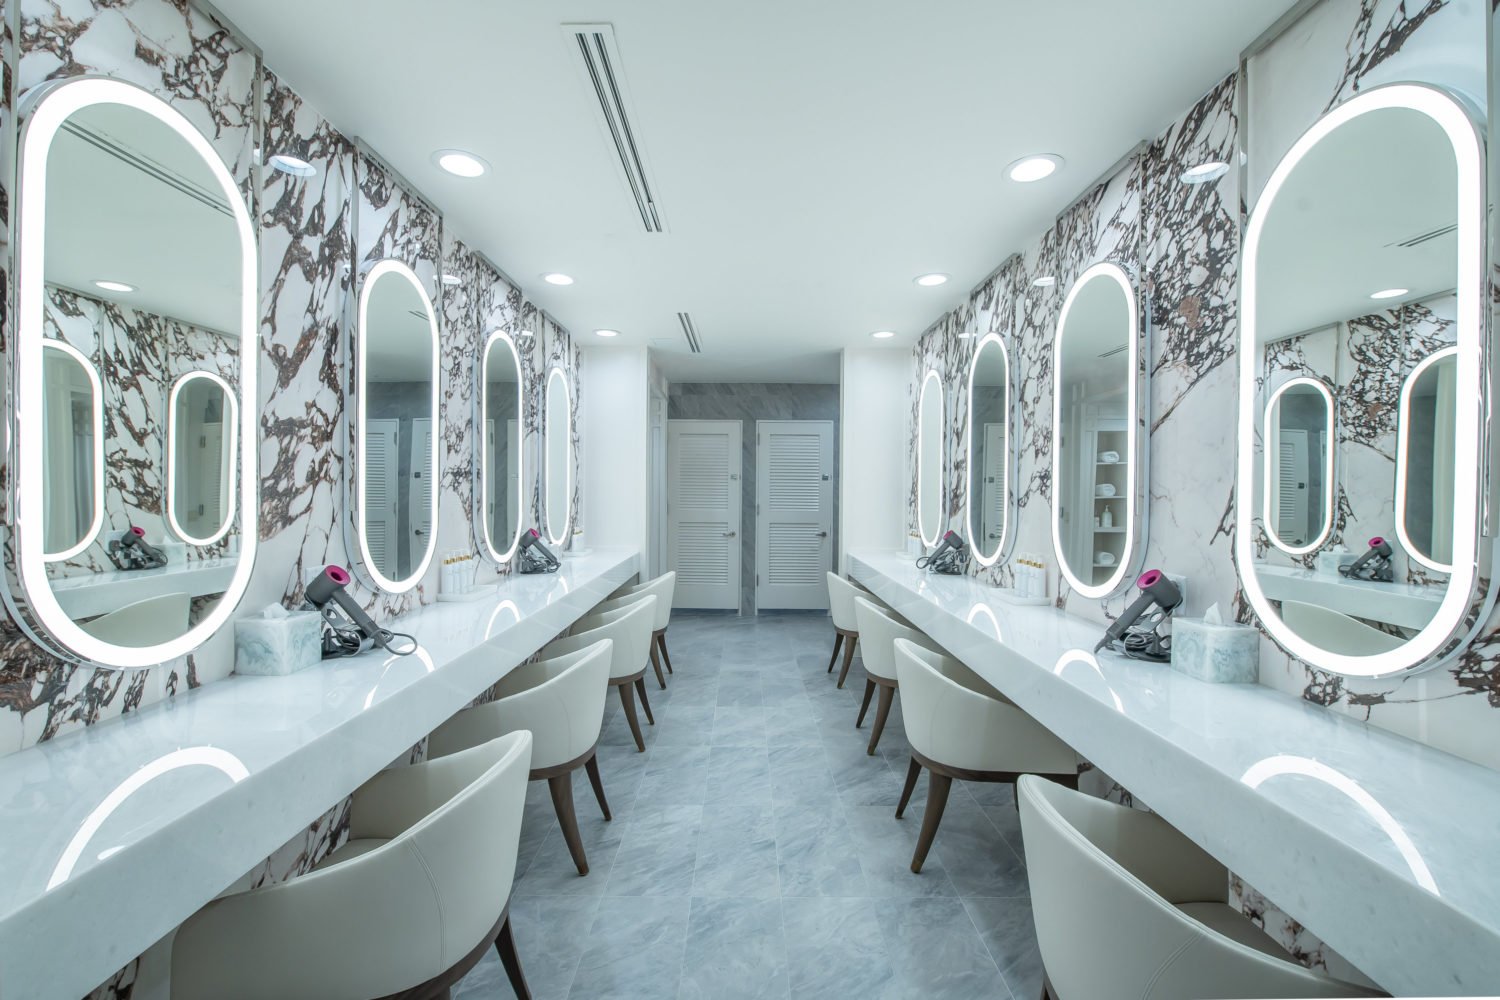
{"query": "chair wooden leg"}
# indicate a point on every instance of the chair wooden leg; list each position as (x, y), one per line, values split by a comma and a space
(505, 944)
(838, 641)
(912, 774)
(938, 786)
(848, 658)
(627, 701)
(882, 710)
(640, 689)
(864, 706)
(665, 656)
(592, 767)
(656, 664)
(561, 788)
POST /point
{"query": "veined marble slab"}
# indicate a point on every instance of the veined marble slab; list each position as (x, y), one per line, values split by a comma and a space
(114, 835)
(1381, 846)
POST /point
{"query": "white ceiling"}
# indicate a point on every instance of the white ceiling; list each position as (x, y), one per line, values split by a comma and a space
(810, 158)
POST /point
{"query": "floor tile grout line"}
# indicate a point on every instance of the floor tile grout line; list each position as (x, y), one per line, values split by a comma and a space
(986, 945)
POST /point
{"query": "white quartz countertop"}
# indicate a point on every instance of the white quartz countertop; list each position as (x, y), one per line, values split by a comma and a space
(1406, 604)
(114, 835)
(1381, 846)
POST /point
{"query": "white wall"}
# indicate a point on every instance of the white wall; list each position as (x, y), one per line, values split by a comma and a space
(872, 461)
(615, 412)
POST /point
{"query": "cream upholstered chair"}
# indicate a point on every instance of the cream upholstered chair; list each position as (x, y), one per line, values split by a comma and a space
(629, 628)
(960, 727)
(841, 594)
(878, 630)
(406, 907)
(561, 701)
(1126, 906)
(662, 588)
(144, 623)
(1335, 631)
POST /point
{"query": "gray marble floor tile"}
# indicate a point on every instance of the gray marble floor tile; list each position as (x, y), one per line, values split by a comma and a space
(735, 949)
(975, 855)
(739, 690)
(1008, 931)
(739, 775)
(634, 951)
(674, 776)
(551, 933)
(801, 774)
(657, 853)
(687, 723)
(936, 951)
(884, 845)
(737, 853)
(739, 726)
(835, 950)
(552, 871)
(815, 852)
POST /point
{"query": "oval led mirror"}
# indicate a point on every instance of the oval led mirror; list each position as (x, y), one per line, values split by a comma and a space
(989, 449)
(396, 356)
(201, 456)
(501, 466)
(558, 474)
(1299, 465)
(135, 268)
(930, 459)
(1336, 283)
(1098, 409)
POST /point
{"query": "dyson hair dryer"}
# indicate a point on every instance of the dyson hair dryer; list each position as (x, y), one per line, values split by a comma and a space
(348, 636)
(536, 557)
(1375, 564)
(948, 557)
(1136, 629)
(132, 551)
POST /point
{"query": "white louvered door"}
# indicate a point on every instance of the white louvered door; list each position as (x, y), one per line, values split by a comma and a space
(381, 488)
(1291, 486)
(996, 460)
(703, 512)
(794, 513)
(420, 502)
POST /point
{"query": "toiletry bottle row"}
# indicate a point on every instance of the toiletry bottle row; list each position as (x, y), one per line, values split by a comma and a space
(458, 572)
(1031, 577)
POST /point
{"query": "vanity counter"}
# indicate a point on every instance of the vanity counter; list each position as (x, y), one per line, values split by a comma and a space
(1408, 605)
(1380, 845)
(98, 593)
(116, 834)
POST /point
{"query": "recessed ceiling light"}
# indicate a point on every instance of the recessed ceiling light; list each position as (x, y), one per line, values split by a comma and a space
(555, 278)
(1033, 168)
(883, 334)
(459, 163)
(930, 280)
(296, 166)
(1389, 293)
(114, 286)
(1204, 172)
(452, 279)
(1045, 281)
(607, 333)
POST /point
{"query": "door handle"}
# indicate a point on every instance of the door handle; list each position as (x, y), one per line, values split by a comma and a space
(730, 534)
(822, 534)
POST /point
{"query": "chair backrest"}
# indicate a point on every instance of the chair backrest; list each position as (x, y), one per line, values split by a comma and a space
(878, 633)
(661, 588)
(630, 629)
(560, 700)
(841, 594)
(1336, 632)
(144, 623)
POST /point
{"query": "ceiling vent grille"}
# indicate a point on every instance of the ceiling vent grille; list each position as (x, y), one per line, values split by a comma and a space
(599, 60)
(1421, 238)
(690, 332)
(1118, 350)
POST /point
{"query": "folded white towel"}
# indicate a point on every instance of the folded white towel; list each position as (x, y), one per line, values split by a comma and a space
(1109, 457)
(1104, 558)
(1105, 490)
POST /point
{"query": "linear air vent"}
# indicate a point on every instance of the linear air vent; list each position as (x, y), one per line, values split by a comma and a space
(123, 152)
(599, 60)
(690, 332)
(1118, 350)
(1421, 238)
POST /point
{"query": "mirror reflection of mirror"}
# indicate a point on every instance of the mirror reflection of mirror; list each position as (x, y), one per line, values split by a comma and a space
(930, 442)
(1356, 281)
(398, 343)
(201, 458)
(501, 459)
(989, 449)
(558, 473)
(73, 457)
(1094, 387)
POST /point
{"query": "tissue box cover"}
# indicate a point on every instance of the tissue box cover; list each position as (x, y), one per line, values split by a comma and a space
(1219, 654)
(278, 646)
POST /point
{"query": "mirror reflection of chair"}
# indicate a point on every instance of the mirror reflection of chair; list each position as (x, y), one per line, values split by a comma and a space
(405, 908)
(144, 623)
(880, 632)
(661, 588)
(1127, 906)
(629, 628)
(561, 701)
(1336, 631)
(960, 727)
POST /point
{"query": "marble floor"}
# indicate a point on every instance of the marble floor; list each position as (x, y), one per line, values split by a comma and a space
(754, 850)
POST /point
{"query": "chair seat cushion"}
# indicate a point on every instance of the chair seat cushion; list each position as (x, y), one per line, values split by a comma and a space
(351, 849)
(1234, 925)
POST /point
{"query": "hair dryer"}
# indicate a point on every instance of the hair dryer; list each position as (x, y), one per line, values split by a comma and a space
(354, 634)
(948, 556)
(1375, 564)
(1142, 640)
(132, 551)
(536, 557)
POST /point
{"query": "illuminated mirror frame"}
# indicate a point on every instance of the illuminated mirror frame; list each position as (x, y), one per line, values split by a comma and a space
(482, 489)
(45, 110)
(1468, 598)
(1137, 474)
(1328, 466)
(974, 508)
(231, 446)
(96, 389)
(396, 269)
(557, 381)
(1403, 459)
(931, 382)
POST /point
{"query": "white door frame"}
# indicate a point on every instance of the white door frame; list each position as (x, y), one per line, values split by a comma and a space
(716, 529)
(818, 523)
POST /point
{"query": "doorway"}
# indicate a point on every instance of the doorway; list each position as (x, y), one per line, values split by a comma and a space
(793, 513)
(704, 512)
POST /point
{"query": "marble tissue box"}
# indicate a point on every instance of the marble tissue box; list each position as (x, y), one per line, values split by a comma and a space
(1217, 653)
(277, 646)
